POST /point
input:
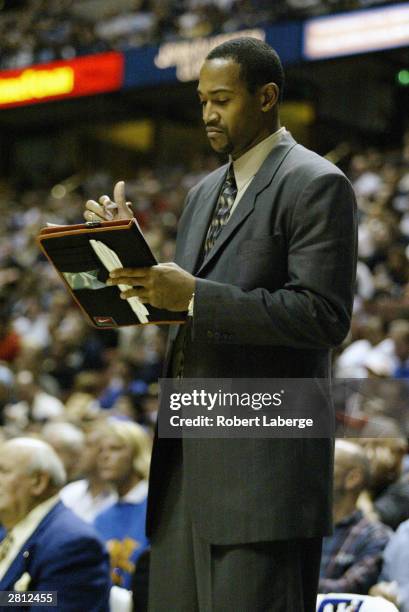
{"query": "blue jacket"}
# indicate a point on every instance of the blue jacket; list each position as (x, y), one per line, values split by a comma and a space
(63, 554)
(122, 527)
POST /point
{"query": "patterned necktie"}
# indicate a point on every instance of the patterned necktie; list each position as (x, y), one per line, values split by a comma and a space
(222, 211)
(5, 546)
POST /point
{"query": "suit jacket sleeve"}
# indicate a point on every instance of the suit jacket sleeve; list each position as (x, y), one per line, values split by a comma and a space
(313, 308)
(80, 575)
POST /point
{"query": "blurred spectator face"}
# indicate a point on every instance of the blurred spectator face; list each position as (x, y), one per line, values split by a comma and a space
(125, 406)
(118, 373)
(398, 263)
(68, 442)
(359, 164)
(89, 457)
(82, 410)
(69, 458)
(15, 485)
(385, 456)
(29, 358)
(26, 388)
(150, 405)
(19, 487)
(349, 476)
(381, 232)
(372, 330)
(115, 461)
(233, 113)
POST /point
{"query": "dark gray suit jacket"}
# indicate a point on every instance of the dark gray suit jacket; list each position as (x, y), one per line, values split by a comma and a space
(272, 298)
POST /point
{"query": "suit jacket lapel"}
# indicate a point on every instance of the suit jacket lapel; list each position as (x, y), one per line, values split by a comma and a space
(200, 222)
(21, 561)
(16, 568)
(191, 250)
(246, 205)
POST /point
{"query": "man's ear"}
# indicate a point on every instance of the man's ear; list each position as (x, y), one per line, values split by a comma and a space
(354, 479)
(269, 94)
(40, 482)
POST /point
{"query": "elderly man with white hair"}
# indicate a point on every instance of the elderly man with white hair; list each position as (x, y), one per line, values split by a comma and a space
(46, 547)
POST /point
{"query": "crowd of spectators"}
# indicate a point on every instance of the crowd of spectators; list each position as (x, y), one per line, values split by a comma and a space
(92, 395)
(69, 28)
(368, 552)
(378, 345)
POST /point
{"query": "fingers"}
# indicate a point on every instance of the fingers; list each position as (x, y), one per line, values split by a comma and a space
(90, 216)
(106, 209)
(119, 193)
(131, 273)
(141, 293)
(134, 277)
(94, 212)
(126, 280)
(104, 200)
(124, 208)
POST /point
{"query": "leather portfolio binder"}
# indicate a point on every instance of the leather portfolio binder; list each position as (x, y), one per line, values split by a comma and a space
(83, 256)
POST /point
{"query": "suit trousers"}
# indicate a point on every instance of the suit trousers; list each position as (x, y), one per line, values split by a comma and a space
(189, 574)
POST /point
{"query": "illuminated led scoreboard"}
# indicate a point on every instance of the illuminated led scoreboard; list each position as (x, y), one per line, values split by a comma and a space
(82, 76)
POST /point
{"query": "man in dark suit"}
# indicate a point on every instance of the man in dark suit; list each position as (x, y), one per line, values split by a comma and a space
(46, 547)
(265, 267)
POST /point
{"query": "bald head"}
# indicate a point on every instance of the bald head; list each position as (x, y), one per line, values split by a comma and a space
(34, 455)
(30, 473)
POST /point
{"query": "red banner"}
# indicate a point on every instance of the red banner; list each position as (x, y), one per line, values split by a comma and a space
(83, 76)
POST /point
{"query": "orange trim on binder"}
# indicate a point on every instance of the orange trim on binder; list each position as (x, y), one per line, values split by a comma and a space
(97, 321)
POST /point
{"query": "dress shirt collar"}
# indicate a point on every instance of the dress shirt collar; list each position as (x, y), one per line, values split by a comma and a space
(246, 166)
(24, 529)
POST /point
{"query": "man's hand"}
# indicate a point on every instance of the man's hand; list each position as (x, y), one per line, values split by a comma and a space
(165, 285)
(107, 210)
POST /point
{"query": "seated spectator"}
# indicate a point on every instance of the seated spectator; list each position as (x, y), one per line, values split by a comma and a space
(33, 404)
(82, 409)
(378, 407)
(32, 325)
(395, 349)
(124, 462)
(394, 577)
(68, 442)
(46, 547)
(387, 496)
(121, 380)
(351, 362)
(352, 556)
(392, 506)
(90, 495)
